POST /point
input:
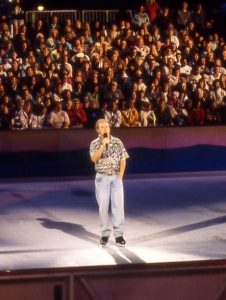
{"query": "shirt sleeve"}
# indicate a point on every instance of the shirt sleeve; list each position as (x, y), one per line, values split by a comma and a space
(93, 147)
(124, 154)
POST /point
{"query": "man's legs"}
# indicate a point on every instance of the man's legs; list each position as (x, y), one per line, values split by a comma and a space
(117, 206)
(103, 185)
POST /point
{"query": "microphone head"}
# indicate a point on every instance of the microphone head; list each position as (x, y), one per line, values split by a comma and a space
(105, 136)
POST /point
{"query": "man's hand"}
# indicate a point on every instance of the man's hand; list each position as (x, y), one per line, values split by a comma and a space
(120, 176)
(105, 141)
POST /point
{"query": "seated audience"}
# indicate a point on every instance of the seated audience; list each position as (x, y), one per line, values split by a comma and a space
(162, 67)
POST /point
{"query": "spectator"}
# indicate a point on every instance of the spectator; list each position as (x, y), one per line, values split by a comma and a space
(38, 118)
(217, 94)
(141, 86)
(20, 118)
(54, 24)
(153, 10)
(94, 95)
(147, 115)
(113, 115)
(141, 49)
(5, 113)
(141, 18)
(130, 116)
(18, 16)
(52, 39)
(163, 114)
(212, 114)
(177, 109)
(93, 114)
(39, 28)
(112, 93)
(215, 74)
(58, 118)
(172, 37)
(76, 113)
(185, 68)
(196, 117)
(183, 15)
(164, 19)
(199, 16)
(223, 57)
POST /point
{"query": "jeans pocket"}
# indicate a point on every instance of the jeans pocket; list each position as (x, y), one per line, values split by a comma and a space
(98, 178)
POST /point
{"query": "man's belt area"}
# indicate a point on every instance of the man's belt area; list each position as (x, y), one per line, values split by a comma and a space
(108, 173)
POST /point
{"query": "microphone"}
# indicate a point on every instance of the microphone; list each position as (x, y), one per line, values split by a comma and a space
(105, 136)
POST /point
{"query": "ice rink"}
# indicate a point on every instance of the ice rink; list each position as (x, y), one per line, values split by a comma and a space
(169, 218)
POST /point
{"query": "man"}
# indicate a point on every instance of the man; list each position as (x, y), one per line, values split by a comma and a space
(109, 155)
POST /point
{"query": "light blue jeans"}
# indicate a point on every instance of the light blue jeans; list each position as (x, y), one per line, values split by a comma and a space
(110, 197)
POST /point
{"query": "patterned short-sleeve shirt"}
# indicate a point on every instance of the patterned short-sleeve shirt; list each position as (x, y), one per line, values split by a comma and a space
(109, 162)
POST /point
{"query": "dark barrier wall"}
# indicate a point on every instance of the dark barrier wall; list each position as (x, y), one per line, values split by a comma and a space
(169, 281)
(151, 150)
(77, 139)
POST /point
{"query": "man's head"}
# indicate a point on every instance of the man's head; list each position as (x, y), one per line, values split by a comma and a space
(102, 127)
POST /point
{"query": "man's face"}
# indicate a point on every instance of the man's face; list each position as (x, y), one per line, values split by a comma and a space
(103, 128)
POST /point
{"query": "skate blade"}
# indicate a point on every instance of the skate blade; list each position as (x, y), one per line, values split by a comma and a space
(121, 246)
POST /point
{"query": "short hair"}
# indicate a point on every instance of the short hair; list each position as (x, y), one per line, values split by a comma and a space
(101, 121)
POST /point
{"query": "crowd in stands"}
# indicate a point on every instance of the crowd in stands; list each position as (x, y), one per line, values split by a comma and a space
(161, 67)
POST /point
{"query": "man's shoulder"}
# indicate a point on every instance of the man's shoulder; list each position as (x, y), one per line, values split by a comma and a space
(95, 141)
(115, 139)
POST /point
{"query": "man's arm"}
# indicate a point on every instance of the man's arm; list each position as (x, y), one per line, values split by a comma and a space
(96, 155)
(122, 167)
